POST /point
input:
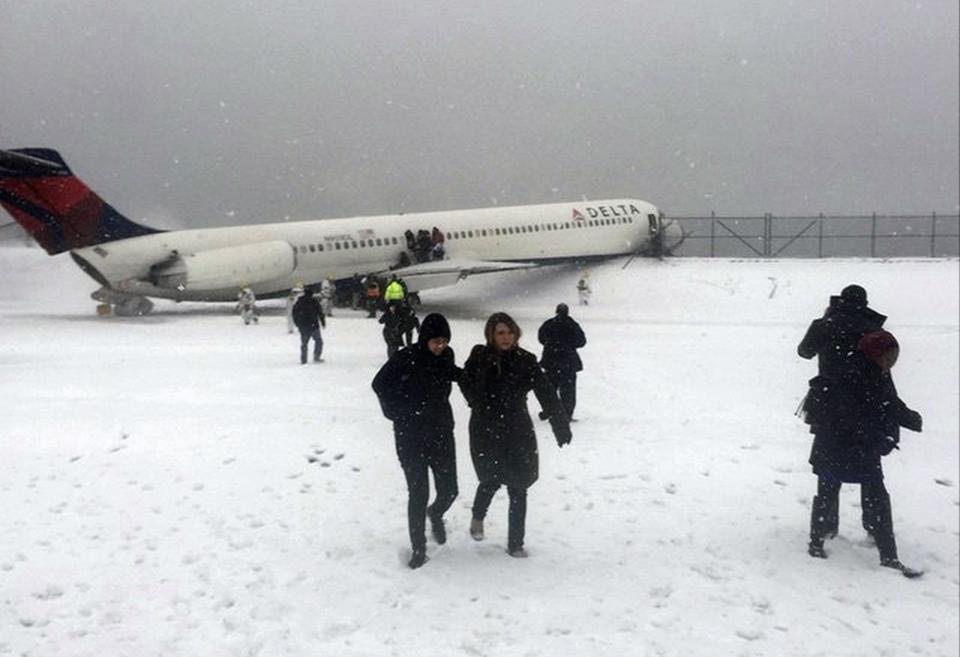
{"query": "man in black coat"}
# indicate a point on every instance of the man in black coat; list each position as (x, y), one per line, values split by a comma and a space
(308, 316)
(561, 336)
(414, 392)
(833, 340)
(392, 321)
(856, 418)
(408, 320)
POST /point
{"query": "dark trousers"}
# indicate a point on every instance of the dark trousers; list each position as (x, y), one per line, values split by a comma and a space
(566, 386)
(317, 344)
(877, 513)
(417, 458)
(516, 516)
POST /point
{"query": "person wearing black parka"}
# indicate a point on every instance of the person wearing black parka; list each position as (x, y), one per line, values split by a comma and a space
(561, 336)
(833, 339)
(496, 379)
(414, 392)
(856, 417)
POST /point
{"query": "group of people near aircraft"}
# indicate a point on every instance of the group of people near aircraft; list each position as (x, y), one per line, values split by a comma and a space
(852, 408)
(414, 388)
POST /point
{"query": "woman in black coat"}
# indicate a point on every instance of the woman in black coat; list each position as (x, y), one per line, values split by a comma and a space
(856, 418)
(414, 391)
(496, 379)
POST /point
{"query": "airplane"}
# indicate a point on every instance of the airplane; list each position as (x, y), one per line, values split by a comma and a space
(133, 262)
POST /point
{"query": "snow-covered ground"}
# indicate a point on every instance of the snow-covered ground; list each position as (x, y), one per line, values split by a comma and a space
(179, 485)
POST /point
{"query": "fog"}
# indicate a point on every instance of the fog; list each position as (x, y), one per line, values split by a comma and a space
(189, 114)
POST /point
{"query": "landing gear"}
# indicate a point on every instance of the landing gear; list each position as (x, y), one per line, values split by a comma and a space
(122, 305)
(133, 307)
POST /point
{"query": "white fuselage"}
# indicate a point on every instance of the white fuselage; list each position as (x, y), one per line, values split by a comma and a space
(340, 248)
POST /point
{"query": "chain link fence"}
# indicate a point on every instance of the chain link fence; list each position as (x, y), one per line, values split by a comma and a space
(867, 236)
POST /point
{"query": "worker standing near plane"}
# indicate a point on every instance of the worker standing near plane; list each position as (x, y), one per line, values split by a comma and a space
(561, 336)
(308, 315)
(497, 377)
(247, 305)
(414, 392)
(373, 295)
(394, 291)
(328, 292)
(583, 292)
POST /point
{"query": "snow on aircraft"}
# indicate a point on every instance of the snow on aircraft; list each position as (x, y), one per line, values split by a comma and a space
(132, 262)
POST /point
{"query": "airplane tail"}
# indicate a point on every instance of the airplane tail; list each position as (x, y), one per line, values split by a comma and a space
(54, 206)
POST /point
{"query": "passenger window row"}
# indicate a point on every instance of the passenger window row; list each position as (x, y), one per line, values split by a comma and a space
(536, 228)
(466, 234)
(351, 244)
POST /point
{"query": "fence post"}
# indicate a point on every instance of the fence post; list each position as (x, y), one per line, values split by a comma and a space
(820, 238)
(713, 231)
(768, 235)
(873, 236)
(933, 236)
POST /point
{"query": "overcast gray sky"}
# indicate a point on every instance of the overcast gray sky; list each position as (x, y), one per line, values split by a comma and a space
(187, 113)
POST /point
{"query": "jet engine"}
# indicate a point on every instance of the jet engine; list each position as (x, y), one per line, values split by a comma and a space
(225, 268)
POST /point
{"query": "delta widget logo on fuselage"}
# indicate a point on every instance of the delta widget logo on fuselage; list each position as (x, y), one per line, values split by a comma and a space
(608, 211)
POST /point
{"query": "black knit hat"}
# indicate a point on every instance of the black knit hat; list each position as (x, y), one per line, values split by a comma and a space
(854, 295)
(434, 325)
(563, 309)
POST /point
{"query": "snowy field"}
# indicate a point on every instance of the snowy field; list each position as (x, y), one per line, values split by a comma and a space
(179, 485)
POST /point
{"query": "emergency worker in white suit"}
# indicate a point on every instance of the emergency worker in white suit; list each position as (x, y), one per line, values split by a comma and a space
(247, 305)
(328, 289)
(583, 291)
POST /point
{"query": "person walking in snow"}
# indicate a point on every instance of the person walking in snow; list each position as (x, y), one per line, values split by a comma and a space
(409, 322)
(414, 392)
(328, 292)
(392, 328)
(496, 379)
(856, 420)
(292, 297)
(561, 336)
(583, 292)
(373, 295)
(247, 305)
(833, 339)
(394, 292)
(308, 316)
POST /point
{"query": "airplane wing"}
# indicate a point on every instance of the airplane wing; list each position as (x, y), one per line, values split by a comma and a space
(447, 272)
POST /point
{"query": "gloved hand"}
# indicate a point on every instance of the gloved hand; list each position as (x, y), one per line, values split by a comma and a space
(888, 444)
(913, 421)
(561, 431)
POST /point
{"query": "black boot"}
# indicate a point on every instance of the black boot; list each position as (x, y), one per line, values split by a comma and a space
(907, 571)
(437, 528)
(417, 559)
(821, 526)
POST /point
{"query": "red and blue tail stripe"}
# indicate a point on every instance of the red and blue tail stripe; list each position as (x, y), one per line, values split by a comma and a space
(40, 192)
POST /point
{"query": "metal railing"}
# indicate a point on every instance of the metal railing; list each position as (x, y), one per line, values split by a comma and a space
(868, 236)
